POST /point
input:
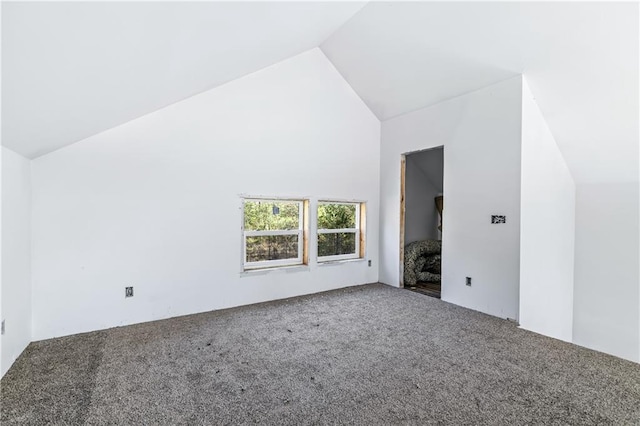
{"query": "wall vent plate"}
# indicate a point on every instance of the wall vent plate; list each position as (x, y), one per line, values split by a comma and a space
(128, 292)
(498, 219)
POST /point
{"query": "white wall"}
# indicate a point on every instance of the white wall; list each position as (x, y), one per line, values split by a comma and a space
(547, 229)
(16, 256)
(155, 203)
(2, 371)
(607, 274)
(481, 134)
(420, 221)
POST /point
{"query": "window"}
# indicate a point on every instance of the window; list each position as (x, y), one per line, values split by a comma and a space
(340, 234)
(274, 233)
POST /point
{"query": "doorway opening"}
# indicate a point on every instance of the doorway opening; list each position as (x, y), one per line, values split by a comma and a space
(421, 227)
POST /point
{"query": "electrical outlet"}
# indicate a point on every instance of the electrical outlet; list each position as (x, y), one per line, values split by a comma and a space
(128, 292)
(369, 263)
(468, 281)
(2, 327)
(498, 219)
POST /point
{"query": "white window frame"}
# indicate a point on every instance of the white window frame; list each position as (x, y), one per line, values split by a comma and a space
(299, 260)
(356, 231)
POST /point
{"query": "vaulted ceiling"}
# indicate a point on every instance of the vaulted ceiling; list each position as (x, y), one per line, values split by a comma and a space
(74, 69)
(580, 60)
(70, 70)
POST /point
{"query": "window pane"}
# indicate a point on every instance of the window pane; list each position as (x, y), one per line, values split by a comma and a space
(335, 244)
(336, 216)
(271, 215)
(273, 247)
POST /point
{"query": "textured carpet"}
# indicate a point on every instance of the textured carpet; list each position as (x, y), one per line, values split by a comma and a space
(363, 355)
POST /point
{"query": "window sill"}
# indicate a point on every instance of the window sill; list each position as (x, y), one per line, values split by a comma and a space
(340, 262)
(280, 269)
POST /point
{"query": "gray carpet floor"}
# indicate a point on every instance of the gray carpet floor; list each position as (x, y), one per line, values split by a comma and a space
(363, 355)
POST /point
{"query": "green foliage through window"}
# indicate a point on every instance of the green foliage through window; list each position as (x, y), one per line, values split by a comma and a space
(274, 232)
(336, 244)
(265, 215)
(336, 216)
(271, 247)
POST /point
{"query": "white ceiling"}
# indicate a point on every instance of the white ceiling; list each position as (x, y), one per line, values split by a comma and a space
(580, 60)
(402, 56)
(74, 69)
(70, 70)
